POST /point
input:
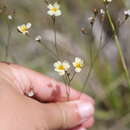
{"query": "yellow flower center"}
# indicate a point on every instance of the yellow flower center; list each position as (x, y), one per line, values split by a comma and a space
(61, 67)
(23, 28)
(78, 65)
(54, 9)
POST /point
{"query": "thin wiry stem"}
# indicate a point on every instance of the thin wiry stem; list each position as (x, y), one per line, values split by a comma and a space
(91, 53)
(44, 46)
(66, 85)
(92, 63)
(49, 50)
(74, 74)
(8, 41)
(68, 82)
(55, 36)
(117, 42)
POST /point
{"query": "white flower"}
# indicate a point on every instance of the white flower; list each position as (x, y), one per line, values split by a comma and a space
(10, 17)
(127, 12)
(54, 10)
(61, 67)
(78, 64)
(24, 28)
(102, 11)
(38, 38)
(107, 1)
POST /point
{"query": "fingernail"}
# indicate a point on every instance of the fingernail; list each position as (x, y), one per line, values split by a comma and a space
(85, 109)
(81, 129)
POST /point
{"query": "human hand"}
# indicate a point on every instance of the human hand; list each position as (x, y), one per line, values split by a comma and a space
(47, 109)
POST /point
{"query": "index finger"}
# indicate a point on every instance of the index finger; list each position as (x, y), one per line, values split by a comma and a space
(45, 89)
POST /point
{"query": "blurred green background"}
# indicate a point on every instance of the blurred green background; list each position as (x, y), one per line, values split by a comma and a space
(106, 84)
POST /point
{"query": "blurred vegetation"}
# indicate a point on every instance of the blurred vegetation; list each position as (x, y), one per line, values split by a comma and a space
(107, 84)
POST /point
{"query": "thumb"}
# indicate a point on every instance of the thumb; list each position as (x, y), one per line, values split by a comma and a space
(68, 114)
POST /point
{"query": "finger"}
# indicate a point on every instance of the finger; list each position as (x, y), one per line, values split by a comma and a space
(78, 128)
(68, 114)
(89, 123)
(44, 88)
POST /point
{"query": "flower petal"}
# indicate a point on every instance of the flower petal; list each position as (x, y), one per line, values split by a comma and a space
(56, 5)
(66, 65)
(77, 59)
(51, 13)
(77, 70)
(62, 73)
(57, 64)
(28, 25)
(50, 6)
(58, 13)
(19, 28)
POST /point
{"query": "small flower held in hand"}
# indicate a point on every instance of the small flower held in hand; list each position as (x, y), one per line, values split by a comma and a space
(54, 10)
(61, 67)
(78, 64)
(24, 28)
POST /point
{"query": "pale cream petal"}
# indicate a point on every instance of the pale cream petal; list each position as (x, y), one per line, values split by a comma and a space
(57, 70)
(66, 65)
(58, 13)
(74, 64)
(56, 5)
(109, 0)
(26, 32)
(28, 25)
(57, 63)
(50, 6)
(77, 59)
(62, 73)
(77, 70)
(51, 13)
(19, 28)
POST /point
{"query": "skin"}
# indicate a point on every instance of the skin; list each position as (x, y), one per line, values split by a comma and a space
(49, 107)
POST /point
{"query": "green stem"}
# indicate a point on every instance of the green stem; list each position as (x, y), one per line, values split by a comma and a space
(8, 41)
(66, 81)
(55, 36)
(117, 42)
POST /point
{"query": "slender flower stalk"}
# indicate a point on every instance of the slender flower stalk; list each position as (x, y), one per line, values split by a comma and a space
(117, 42)
(10, 20)
(8, 41)
(38, 39)
(92, 63)
(55, 36)
(54, 11)
(67, 87)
